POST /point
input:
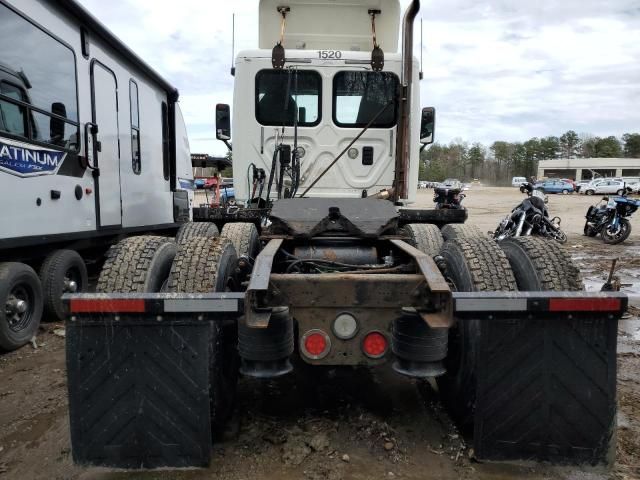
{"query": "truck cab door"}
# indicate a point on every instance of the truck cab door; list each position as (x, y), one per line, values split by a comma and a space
(104, 99)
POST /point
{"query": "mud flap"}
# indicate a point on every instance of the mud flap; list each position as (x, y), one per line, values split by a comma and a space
(546, 385)
(138, 378)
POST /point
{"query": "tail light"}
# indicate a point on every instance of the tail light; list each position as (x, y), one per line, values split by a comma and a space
(375, 345)
(315, 344)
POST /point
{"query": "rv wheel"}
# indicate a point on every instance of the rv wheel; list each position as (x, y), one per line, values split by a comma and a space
(206, 265)
(137, 265)
(20, 305)
(63, 271)
(471, 265)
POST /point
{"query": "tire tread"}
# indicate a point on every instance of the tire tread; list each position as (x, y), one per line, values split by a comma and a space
(127, 263)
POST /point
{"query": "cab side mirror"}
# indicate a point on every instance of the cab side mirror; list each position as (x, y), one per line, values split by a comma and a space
(427, 125)
(223, 122)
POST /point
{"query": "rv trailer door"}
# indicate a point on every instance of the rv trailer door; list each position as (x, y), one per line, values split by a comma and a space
(105, 114)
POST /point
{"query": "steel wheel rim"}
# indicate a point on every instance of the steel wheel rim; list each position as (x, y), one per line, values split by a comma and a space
(19, 320)
(72, 275)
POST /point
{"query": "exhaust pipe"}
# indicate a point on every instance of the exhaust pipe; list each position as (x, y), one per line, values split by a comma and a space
(402, 145)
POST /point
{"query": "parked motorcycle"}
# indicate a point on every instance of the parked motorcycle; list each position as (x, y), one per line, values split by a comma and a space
(609, 218)
(449, 198)
(531, 217)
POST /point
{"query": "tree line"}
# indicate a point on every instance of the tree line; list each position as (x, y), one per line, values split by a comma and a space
(501, 161)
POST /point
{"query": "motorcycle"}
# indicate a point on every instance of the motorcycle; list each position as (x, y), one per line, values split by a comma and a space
(609, 218)
(531, 217)
(448, 198)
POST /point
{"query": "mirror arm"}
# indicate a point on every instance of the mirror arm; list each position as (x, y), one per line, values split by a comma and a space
(423, 146)
(226, 142)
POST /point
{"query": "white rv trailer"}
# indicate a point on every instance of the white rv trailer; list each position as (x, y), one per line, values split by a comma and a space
(92, 147)
(329, 79)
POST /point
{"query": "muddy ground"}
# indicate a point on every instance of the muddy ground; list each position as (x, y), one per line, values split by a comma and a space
(337, 424)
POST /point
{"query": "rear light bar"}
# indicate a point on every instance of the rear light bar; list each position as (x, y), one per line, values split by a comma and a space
(96, 303)
(464, 303)
(566, 302)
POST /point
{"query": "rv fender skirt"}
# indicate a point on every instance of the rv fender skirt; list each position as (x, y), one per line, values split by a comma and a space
(265, 352)
(419, 349)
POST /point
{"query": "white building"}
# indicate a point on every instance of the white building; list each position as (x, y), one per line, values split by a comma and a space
(588, 168)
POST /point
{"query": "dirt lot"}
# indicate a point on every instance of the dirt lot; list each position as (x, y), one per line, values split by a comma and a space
(338, 424)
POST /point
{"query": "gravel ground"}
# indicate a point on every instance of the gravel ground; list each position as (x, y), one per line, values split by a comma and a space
(336, 424)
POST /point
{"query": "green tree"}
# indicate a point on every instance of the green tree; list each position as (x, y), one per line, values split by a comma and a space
(588, 146)
(631, 145)
(608, 148)
(476, 157)
(549, 148)
(569, 144)
(228, 172)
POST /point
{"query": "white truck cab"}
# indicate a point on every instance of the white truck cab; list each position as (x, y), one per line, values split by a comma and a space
(322, 99)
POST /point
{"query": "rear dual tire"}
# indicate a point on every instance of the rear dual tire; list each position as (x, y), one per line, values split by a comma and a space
(208, 265)
(137, 265)
(460, 230)
(191, 230)
(472, 264)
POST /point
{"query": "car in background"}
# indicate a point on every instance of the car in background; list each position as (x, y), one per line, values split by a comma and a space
(200, 182)
(451, 183)
(604, 186)
(554, 186)
(572, 182)
(581, 184)
(227, 193)
(635, 187)
(517, 181)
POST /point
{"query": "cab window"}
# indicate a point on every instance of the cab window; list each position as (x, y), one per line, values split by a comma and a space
(280, 94)
(358, 96)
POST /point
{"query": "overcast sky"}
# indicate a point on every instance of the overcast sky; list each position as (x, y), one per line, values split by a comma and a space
(494, 70)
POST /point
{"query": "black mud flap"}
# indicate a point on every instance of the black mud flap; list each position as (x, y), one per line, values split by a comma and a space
(546, 386)
(139, 393)
(138, 378)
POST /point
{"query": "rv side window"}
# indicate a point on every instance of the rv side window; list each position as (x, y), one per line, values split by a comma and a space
(358, 96)
(38, 93)
(165, 141)
(280, 93)
(136, 161)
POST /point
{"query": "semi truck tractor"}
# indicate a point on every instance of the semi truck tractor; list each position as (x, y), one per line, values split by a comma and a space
(327, 264)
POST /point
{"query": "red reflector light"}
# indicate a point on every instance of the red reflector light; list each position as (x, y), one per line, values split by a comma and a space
(316, 344)
(106, 306)
(584, 304)
(375, 345)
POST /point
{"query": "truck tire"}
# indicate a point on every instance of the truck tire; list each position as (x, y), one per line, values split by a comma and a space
(206, 265)
(137, 265)
(460, 230)
(196, 229)
(426, 238)
(63, 271)
(21, 305)
(244, 237)
(471, 265)
(539, 264)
